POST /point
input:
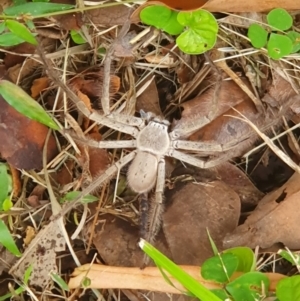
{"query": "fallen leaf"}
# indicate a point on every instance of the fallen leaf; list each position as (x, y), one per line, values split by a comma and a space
(149, 100)
(273, 220)
(41, 254)
(38, 86)
(16, 180)
(237, 180)
(22, 139)
(12, 59)
(194, 209)
(109, 16)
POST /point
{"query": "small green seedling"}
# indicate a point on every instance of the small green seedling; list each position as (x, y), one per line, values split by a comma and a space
(72, 195)
(278, 42)
(77, 37)
(197, 29)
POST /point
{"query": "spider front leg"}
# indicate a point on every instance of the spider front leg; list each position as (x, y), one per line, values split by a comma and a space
(106, 143)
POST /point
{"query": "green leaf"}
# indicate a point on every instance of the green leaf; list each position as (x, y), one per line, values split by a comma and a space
(191, 284)
(21, 31)
(293, 258)
(18, 2)
(249, 287)
(280, 19)
(161, 17)
(4, 184)
(17, 291)
(27, 274)
(279, 46)
(287, 289)
(212, 243)
(24, 104)
(72, 195)
(246, 258)
(2, 27)
(257, 35)
(201, 35)
(36, 8)
(219, 268)
(77, 37)
(221, 293)
(295, 38)
(62, 284)
(7, 241)
(7, 204)
(10, 39)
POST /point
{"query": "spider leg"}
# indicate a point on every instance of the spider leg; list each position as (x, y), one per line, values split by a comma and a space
(105, 176)
(206, 148)
(190, 159)
(106, 143)
(113, 123)
(156, 206)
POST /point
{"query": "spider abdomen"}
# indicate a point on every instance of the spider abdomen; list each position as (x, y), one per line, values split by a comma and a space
(142, 172)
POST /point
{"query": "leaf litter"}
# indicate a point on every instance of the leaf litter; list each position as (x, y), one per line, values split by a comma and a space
(193, 202)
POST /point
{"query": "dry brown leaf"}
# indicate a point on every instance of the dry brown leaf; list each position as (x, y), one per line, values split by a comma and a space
(275, 219)
(22, 139)
(41, 254)
(228, 95)
(116, 241)
(237, 180)
(30, 234)
(109, 16)
(90, 83)
(12, 59)
(99, 159)
(149, 100)
(38, 86)
(16, 180)
(194, 209)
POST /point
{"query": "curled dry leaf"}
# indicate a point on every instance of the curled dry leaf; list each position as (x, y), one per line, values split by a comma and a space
(194, 209)
(38, 86)
(275, 219)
